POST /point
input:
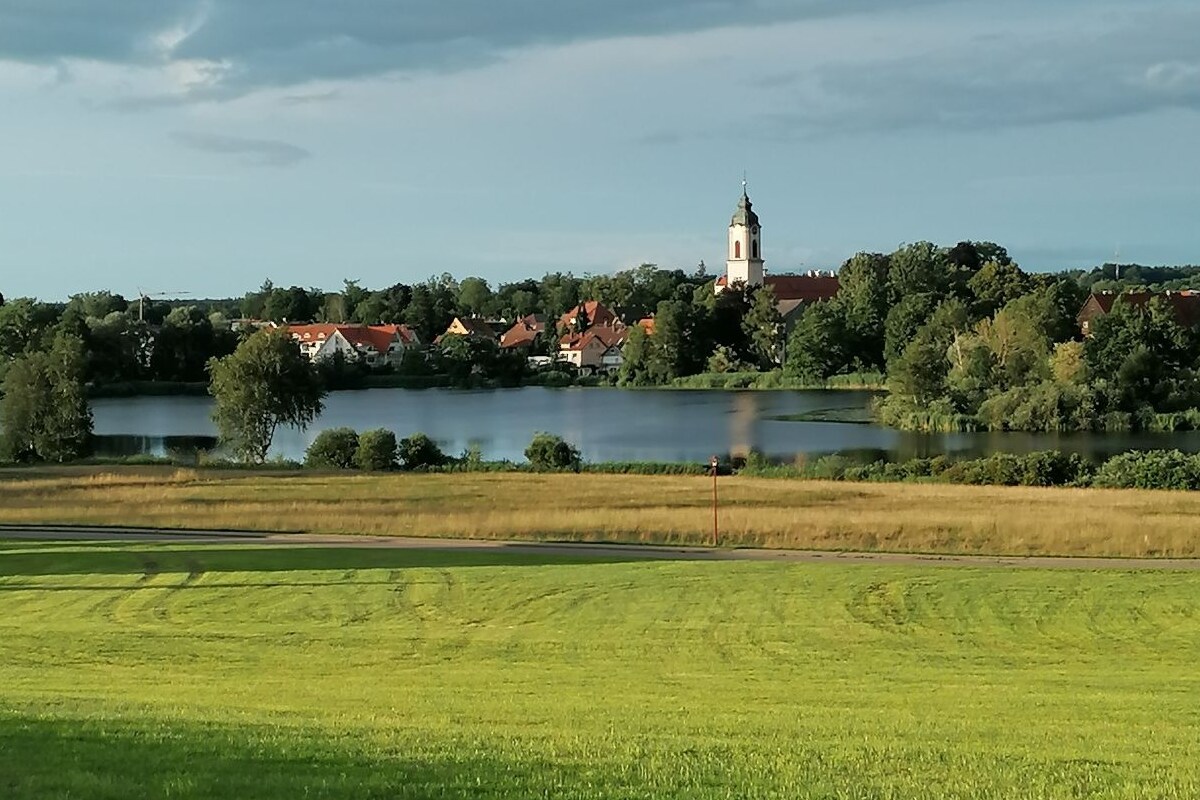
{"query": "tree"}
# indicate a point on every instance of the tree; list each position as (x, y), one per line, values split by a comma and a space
(376, 450)
(815, 346)
(263, 384)
(474, 297)
(903, 321)
(551, 453)
(420, 452)
(45, 408)
(919, 268)
(334, 448)
(636, 357)
(994, 285)
(863, 296)
(763, 327)
(920, 372)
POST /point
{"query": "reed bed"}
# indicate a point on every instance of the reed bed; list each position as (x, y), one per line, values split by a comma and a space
(930, 518)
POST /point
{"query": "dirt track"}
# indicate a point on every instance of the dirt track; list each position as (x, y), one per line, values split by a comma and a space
(578, 550)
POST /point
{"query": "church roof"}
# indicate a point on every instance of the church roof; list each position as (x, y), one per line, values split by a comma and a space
(806, 288)
(745, 213)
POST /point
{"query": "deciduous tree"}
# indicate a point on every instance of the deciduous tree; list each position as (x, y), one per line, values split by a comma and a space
(263, 384)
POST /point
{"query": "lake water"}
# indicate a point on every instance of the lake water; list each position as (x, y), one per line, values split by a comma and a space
(606, 424)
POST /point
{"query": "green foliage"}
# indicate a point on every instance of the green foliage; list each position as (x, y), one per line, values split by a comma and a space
(815, 347)
(420, 452)
(550, 453)
(376, 450)
(44, 409)
(333, 448)
(863, 299)
(920, 372)
(763, 327)
(1153, 469)
(265, 383)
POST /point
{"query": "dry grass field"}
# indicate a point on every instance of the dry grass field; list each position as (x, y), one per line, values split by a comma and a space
(662, 509)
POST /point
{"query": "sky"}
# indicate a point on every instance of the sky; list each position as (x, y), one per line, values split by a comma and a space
(202, 146)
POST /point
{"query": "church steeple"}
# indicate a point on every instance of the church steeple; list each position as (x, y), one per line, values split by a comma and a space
(744, 263)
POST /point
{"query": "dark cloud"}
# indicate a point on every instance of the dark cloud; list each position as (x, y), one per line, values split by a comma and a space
(286, 42)
(1149, 63)
(257, 152)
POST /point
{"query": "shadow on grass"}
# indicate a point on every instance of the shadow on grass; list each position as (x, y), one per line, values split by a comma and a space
(135, 560)
(121, 760)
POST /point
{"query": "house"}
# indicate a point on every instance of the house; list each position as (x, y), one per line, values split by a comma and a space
(524, 332)
(1184, 304)
(373, 345)
(471, 327)
(745, 266)
(586, 315)
(596, 350)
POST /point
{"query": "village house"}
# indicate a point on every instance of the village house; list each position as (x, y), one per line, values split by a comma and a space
(373, 345)
(524, 331)
(596, 350)
(471, 327)
(588, 314)
(1185, 305)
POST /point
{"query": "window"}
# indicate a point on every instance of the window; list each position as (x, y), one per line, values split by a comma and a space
(754, 248)
(737, 249)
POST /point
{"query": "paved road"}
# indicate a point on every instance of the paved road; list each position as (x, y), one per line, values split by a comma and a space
(574, 550)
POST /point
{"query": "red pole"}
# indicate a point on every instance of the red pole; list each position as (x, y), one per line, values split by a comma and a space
(715, 529)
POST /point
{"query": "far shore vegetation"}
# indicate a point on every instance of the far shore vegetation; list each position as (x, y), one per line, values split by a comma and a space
(959, 338)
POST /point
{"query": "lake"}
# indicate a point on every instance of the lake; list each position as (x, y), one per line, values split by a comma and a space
(606, 424)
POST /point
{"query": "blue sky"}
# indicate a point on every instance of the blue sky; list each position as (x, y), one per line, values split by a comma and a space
(204, 145)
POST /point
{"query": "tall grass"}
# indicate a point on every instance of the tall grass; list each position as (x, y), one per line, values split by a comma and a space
(644, 508)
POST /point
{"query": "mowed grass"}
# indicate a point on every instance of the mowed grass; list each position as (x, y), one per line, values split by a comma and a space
(928, 518)
(215, 672)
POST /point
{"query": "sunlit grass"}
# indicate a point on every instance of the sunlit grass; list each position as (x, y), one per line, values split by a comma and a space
(131, 672)
(634, 508)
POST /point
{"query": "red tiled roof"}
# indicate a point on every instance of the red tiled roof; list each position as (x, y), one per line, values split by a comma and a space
(597, 314)
(607, 335)
(808, 288)
(524, 331)
(647, 324)
(377, 337)
(1185, 304)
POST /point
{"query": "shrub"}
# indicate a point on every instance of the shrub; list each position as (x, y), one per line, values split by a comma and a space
(376, 450)
(552, 453)
(420, 452)
(1155, 469)
(472, 459)
(332, 449)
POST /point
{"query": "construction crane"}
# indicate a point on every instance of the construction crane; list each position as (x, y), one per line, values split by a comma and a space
(143, 296)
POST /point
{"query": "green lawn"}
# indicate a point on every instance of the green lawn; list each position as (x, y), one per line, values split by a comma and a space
(215, 672)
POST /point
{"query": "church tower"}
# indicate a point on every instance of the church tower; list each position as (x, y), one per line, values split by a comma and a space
(744, 262)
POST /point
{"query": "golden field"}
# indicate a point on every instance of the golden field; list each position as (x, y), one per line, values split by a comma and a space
(772, 513)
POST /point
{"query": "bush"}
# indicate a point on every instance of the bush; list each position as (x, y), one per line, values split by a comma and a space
(420, 452)
(1155, 469)
(548, 452)
(376, 450)
(332, 449)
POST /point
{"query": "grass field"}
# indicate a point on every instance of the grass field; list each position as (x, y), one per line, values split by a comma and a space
(764, 512)
(156, 671)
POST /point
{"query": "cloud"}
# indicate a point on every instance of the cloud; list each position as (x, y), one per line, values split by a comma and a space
(1066, 73)
(242, 45)
(256, 152)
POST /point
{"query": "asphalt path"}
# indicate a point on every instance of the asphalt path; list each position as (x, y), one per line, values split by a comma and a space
(72, 533)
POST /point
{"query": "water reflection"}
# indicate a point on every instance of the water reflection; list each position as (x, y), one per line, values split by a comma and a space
(606, 424)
